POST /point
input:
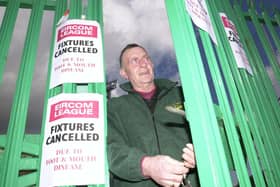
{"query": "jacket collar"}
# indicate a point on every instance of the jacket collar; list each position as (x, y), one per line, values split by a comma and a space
(161, 84)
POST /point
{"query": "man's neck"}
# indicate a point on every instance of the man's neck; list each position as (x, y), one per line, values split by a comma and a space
(145, 87)
(147, 95)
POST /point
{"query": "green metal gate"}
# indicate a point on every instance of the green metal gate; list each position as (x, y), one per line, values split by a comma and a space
(20, 152)
(238, 133)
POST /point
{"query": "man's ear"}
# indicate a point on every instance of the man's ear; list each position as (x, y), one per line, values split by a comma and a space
(123, 73)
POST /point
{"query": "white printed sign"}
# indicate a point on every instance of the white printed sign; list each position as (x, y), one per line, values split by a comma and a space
(235, 44)
(197, 9)
(73, 146)
(78, 53)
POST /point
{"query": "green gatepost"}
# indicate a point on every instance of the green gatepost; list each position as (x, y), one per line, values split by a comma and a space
(236, 135)
(14, 142)
(241, 147)
(91, 11)
(20, 153)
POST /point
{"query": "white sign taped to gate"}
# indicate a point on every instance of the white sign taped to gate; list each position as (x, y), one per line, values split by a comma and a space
(198, 11)
(78, 53)
(73, 150)
(235, 44)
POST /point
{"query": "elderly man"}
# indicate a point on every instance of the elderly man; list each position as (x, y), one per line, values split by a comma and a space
(148, 146)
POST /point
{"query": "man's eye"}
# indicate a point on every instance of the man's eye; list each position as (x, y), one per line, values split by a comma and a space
(133, 61)
(147, 58)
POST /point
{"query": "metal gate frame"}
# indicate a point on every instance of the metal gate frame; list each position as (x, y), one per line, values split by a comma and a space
(247, 115)
(240, 131)
(20, 152)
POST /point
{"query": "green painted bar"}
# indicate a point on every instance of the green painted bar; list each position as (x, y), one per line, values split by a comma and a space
(258, 64)
(273, 114)
(75, 13)
(248, 107)
(27, 180)
(49, 5)
(269, 129)
(6, 32)
(246, 131)
(229, 123)
(271, 29)
(277, 17)
(265, 43)
(18, 116)
(95, 12)
(261, 131)
(200, 112)
(2, 145)
(236, 89)
(262, 113)
(2, 140)
(31, 148)
(60, 8)
(28, 163)
(254, 112)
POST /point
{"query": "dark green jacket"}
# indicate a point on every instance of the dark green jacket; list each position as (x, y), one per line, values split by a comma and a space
(134, 131)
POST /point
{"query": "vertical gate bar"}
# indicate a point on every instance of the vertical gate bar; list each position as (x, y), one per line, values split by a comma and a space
(265, 110)
(257, 123)
(271, 30)
(95, 12)
(271, 125)
(229, 123)
(271, 121)
(277, 16)
(257, 108)
(230, 71)
(19, 110)
(265, 137)
(75, 13)
(253, 89)
(75, 9)
(6, 32)
(265, 43)
(199, 107)
(258, 64)
(60, 8)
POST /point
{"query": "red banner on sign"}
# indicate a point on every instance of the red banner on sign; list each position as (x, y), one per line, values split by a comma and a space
(77, 30)
(74, 109)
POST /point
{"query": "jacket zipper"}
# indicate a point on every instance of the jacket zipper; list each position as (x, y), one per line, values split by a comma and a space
(156, 133)
(152, 113)
(154, 123)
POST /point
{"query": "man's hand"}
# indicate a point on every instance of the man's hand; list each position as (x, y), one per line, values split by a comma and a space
(164, 170)
(188, 156)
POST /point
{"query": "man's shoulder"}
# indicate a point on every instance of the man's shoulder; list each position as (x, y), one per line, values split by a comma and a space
(118, 100)
(167, 84)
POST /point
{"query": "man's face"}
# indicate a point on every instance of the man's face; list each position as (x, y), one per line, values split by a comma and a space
(137, 67)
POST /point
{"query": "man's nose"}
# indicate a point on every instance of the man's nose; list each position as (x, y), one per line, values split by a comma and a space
(143, 61)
